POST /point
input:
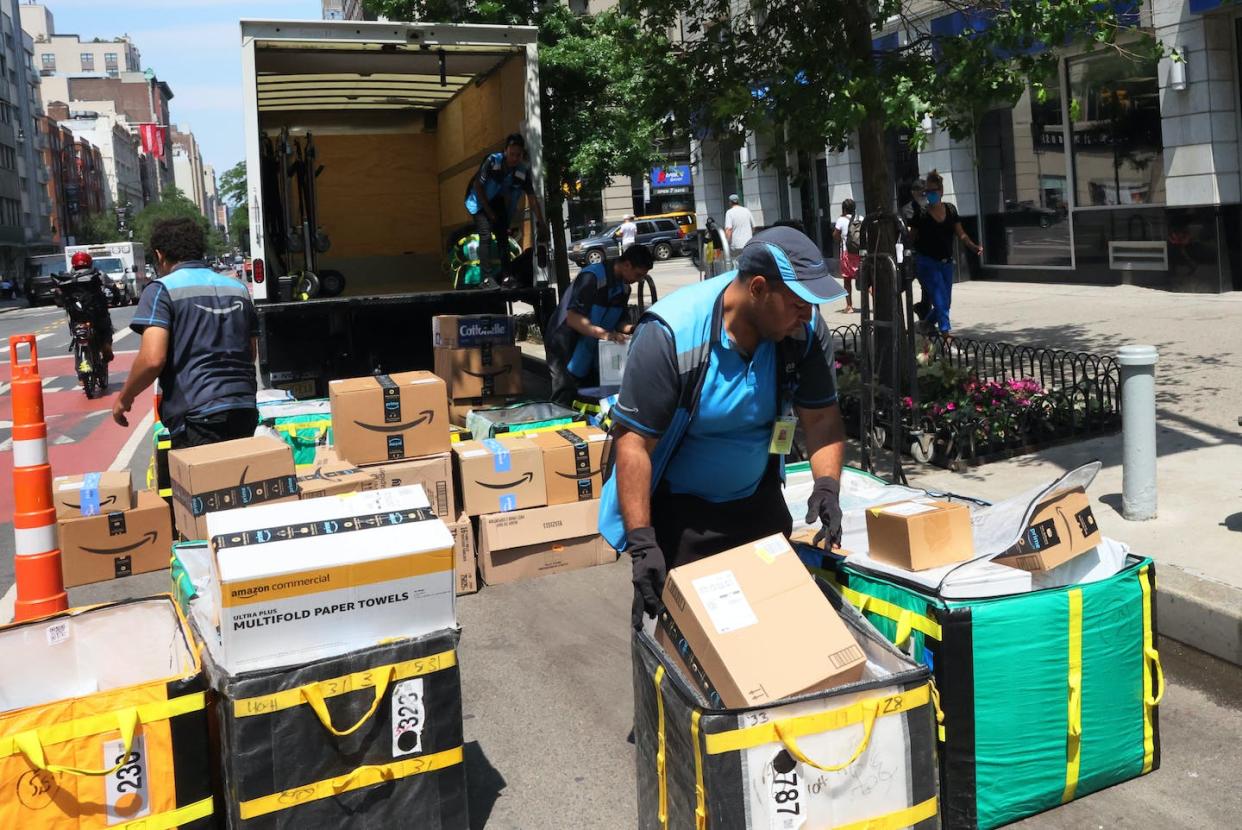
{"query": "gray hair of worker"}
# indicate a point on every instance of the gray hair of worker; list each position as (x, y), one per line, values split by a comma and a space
(733, 199)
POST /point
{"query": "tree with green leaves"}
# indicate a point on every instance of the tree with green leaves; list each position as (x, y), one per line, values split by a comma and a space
(233, 189)
(173, 204)
(96, 228)
(607, 88)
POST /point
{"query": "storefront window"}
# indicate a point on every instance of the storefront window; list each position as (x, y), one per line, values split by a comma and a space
(1115, 124)
(1023, 181)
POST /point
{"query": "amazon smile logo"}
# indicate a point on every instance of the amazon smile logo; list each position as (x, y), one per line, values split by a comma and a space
(426, 416)
(578, 477)
(148, 538)
(525, 479)
(237, 304)
(501, 371)
(102, 503)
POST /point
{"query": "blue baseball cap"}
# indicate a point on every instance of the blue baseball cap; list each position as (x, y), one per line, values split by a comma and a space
(788, 255)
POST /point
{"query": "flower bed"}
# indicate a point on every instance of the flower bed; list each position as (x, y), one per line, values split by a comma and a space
(980, 401)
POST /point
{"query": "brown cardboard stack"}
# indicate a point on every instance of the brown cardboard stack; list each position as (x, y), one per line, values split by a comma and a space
(226, 476)
(1062, 529)
(573, 459)
(499, 476)
(465, 562)
(115, 543)
(92, 493)
(434, 474)
(738, 619)
(477, 358)
(524, 544)
(384, 418)
(334, 478)
(920, 534)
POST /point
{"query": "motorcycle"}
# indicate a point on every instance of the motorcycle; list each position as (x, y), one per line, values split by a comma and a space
(88, 358)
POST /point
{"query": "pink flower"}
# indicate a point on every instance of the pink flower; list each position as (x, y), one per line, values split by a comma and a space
(951, 406)
(907, 402)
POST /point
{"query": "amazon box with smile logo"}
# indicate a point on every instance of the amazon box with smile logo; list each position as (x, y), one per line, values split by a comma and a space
(481, 372)
(117, 543)
(335, 478)
(226, 476)
(92, 494)
(571, 462)
(389, 417)
(499, 476)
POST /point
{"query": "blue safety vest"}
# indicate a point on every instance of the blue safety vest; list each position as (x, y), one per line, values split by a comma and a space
(694, 316)
(510, 183)
(586, 351)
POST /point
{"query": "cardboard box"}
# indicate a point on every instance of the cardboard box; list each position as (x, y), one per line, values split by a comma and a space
(465, 561)
(228, 475)
(306, 580)
(92, 494)
(920, 534)
(459, 410)
(456, 331)
(539, 542)
(499, 476)
(743, 615)
(572, 462)
(118, 543)
(389, 417)
(334, 478)
(482, 372)
(435, 474)
(1061, 529)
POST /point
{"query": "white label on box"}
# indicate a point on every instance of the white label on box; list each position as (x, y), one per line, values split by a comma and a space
(408, 717)
(725, 602)
(72, 485)
(58, 633)
(125, 788)
(909, 508)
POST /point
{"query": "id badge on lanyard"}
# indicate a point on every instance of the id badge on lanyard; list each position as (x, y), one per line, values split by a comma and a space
(785, 424)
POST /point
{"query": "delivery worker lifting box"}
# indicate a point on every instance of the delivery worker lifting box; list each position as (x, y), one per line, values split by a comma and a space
(717, 373)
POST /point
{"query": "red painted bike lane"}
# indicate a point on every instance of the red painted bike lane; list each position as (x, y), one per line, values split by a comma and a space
(81, 435)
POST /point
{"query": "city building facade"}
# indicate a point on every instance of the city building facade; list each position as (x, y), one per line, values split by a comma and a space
(105, 129)
(345, 10)
(1125, 172)
(188, 167)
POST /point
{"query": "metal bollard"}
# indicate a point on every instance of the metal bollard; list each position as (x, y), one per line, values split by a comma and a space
(1138, 432)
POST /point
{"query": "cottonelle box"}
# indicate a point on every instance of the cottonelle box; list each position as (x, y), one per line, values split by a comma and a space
(333, 478)
(435, 474)
(572, 459)
(226, 476)
(545, 540)
(454, 331)
(480, 372)
(499, 476)
(92, 494)
(742, 615)
(307, 580)
(465, 562)
(117, 543)
(920, 534)
(1061, 529)
(389, 417)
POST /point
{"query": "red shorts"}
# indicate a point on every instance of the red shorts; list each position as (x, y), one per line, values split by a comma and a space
(849, 268)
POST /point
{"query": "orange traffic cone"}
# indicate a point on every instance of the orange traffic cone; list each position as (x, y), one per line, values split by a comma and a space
(40, 584)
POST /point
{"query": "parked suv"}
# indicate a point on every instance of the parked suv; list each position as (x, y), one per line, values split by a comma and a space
(662, 236)
(40, 287)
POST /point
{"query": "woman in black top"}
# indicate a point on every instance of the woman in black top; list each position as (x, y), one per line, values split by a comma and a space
(933, 228)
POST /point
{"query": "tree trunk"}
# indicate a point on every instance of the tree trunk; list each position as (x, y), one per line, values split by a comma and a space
(560, 254)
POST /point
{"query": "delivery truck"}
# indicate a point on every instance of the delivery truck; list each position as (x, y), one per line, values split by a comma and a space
(361, 141)
(123, 264)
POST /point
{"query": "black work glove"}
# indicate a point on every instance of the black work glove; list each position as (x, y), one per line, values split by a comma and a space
(649, 571)
(824, 506)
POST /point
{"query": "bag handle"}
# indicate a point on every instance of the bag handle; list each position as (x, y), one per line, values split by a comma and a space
(30, 745)
(870, 709)
(313, 696)
(1154, 657)
(354, 780)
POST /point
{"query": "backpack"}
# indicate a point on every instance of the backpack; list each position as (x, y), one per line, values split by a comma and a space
(853, 237)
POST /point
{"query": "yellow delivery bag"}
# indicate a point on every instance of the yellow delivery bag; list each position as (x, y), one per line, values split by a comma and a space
(103, 721)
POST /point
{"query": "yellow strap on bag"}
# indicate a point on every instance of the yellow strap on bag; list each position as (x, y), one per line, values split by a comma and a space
(661, 757)
(700, 791)
(906, 619)
(935, 699)
(172, 818)
(313, 695)
(30, 746)
(1151, 662)
(99, 724)
(897, 820)
(749, 737)
(1073, 742)
(291, 698)
(869, 710)
(364, 776)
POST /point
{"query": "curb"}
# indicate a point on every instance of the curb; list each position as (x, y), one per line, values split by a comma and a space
(1201, 613)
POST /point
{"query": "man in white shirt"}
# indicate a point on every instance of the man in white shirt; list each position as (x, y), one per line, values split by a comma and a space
(739, 226)
(629, 233)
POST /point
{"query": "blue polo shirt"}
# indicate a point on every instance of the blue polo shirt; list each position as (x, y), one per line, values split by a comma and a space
(503, 186)
(724, 452)
(210, 320)
(598, 294)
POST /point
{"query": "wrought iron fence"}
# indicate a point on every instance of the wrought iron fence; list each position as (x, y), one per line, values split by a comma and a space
(1079, 397)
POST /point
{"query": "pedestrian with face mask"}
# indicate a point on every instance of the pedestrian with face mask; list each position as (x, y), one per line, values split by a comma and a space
(933, 230)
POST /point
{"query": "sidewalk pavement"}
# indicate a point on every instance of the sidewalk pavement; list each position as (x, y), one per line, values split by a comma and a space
(1196, 538)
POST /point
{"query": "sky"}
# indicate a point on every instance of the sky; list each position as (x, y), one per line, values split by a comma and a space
(195, 47)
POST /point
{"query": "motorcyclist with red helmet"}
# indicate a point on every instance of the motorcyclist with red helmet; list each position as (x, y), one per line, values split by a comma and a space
(82, 292)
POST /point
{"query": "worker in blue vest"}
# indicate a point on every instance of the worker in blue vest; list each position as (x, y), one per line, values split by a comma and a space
(494, 199)
(593, 309)
(717, 375)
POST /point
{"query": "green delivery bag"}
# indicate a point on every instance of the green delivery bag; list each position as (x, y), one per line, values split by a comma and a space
(1047, 696)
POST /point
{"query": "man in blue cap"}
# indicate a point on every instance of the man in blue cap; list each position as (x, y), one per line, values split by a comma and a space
(717, 376)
